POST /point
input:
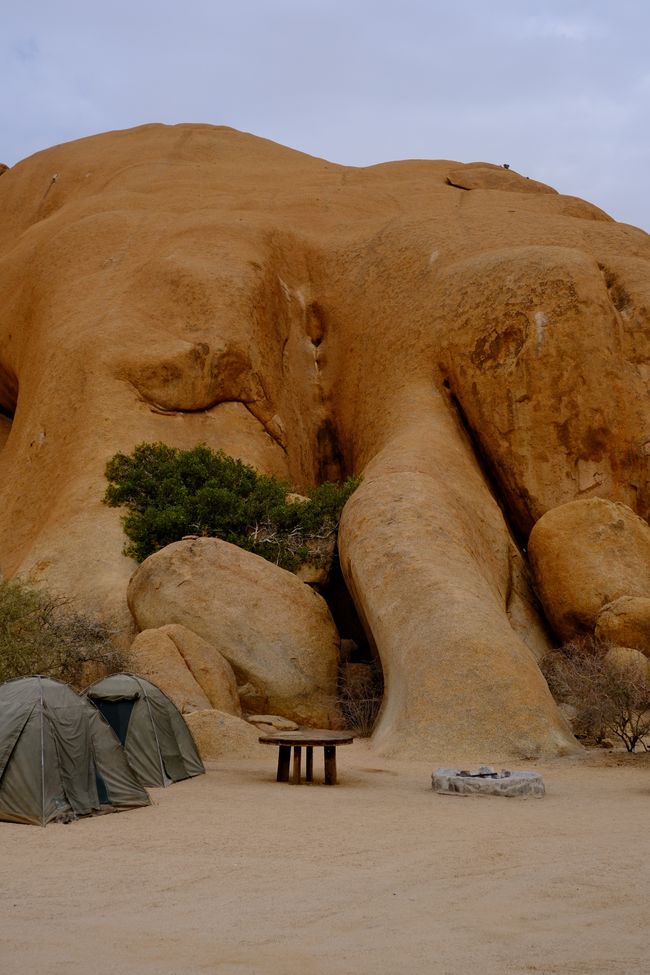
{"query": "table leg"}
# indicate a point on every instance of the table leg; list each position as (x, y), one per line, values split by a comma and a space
(297, 753)
(309, 764)
(284, 758)
(330, 764)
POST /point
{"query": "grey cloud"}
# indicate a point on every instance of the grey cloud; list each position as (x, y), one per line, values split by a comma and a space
(558, 89)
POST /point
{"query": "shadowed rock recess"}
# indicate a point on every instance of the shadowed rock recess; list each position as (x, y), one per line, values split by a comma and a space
(473, 343)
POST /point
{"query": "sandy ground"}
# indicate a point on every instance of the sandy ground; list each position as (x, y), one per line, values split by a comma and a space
(233, 873)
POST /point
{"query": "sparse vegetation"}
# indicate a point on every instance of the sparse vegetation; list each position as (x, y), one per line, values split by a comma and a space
(360, 697)
(609, 690)
(170, 493)
(43, 634)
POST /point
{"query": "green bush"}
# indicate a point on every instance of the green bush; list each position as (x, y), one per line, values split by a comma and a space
(42, 634)
(170, 493)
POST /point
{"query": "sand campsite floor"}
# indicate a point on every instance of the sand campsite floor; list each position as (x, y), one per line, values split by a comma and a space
(232, 873)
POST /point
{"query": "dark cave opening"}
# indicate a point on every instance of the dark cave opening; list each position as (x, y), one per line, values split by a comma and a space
(329, 455)
(8, 402)
(360, 677)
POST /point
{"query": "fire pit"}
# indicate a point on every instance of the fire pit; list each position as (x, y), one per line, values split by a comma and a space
(487, 781)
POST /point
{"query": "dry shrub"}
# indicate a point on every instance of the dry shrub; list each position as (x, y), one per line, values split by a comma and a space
(610, 694)
(360, 693)
(42, 634)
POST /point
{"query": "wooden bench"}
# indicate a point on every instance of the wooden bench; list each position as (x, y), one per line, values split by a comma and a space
(307, 738)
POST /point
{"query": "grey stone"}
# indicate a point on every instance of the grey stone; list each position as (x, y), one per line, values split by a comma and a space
(453, 781)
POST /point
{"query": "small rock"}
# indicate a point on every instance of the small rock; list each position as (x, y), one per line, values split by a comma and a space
(221, 735)
(274, 721)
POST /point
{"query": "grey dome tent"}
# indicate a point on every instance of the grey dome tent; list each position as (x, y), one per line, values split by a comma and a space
(157, 743)
(58, 757)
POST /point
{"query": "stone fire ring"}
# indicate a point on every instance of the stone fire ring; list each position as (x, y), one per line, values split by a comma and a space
(449, 781)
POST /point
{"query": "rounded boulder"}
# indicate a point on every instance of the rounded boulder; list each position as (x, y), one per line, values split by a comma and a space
(584, 555)
(276, 632)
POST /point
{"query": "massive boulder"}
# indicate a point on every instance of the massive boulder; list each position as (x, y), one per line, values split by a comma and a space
(586, 555)
(276, 632)
(473, 343)
(438, 612)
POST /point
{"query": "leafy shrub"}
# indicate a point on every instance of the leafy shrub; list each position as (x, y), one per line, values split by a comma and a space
(41, 634)
(170, 493)
(610, 694)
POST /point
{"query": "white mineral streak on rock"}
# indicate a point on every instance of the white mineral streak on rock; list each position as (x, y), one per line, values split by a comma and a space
(541, 321)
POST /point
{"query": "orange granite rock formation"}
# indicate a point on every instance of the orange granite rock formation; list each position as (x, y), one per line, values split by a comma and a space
(472, 342)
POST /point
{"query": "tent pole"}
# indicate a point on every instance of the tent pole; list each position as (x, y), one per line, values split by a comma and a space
(40, 687)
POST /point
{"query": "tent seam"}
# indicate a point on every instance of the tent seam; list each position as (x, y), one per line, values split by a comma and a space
(155, 732)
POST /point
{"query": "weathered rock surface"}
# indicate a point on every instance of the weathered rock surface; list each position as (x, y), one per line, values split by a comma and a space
(221, 735)
(453, 332)
(209, 668)
(626, 622)
(629, 659)
(156, 656)
(274, 630)
(186, 668)
(273, 721)
(433, 593)
(585, 555)
(487, 177)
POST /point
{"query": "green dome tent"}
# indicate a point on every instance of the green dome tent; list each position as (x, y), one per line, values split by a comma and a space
(58, 757)
(157, 743)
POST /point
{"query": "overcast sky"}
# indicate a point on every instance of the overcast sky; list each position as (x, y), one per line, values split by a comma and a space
(559, 90)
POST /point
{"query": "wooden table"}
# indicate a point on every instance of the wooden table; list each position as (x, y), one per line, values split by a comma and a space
(308, 738)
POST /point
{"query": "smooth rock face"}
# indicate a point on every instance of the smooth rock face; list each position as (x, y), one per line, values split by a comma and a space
(210, 669)
(433, 591)
(186, 668)
(452, 332)
(585, 555)
(626, 622)
(276, 633)
(156, 657)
